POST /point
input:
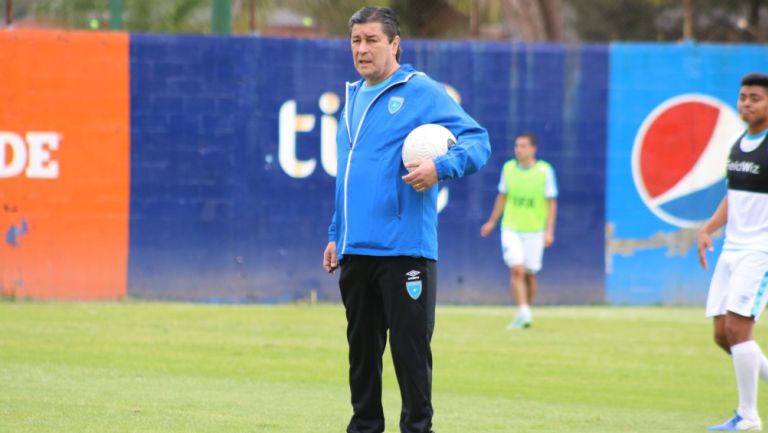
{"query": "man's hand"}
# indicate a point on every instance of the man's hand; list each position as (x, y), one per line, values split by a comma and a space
(704, 244)
(549, 239)
(423, 176)
(330, 258)
(487, 228)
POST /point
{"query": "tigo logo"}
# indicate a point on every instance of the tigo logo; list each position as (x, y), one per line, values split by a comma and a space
(679, 157)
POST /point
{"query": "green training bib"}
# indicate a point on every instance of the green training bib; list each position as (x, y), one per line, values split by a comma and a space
(526, 206)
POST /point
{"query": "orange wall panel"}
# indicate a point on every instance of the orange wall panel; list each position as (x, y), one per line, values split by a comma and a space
(64, 164)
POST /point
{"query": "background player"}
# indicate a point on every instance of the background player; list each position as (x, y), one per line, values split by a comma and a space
(527, 200)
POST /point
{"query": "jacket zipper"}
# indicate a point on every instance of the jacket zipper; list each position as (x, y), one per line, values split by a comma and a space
(353, 142)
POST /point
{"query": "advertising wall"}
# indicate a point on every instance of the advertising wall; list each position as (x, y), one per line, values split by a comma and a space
(672, 119)
(202, 168)
(64, 162)
(233, 164)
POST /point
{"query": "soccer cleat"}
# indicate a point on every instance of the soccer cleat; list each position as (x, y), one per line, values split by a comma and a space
(520, 322)
(737, 423)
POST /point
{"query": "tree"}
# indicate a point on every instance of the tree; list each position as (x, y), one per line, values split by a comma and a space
(610, 20)
(525, 20)
(168, 16)
(179, 16)
(663, 20)
(431, 19)
(537, 21)
(330, 15)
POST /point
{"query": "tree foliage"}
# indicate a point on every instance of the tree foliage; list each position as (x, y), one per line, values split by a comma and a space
(525, 20)
(662, 20)
(176, 16)
(608, 20)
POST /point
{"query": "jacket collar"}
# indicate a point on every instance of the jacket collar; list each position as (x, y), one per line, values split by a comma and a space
(403, 71)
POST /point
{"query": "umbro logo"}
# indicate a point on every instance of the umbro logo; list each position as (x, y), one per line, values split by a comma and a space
(413, 284)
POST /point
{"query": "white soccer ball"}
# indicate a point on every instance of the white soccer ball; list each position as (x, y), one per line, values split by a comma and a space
(426, 142)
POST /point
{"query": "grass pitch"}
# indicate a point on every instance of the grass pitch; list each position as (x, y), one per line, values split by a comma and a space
(163, 367)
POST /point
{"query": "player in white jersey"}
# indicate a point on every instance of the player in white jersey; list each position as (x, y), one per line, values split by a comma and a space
(739, 287)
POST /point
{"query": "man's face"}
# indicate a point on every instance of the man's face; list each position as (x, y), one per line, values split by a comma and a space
(753, 105)
(524, 149)
(374, 55)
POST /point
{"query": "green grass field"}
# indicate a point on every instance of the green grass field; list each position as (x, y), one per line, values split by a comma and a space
(164, 367)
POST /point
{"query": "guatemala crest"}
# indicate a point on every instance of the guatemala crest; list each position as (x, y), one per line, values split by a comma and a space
(413, 285)
(395, 104)
(414, 289)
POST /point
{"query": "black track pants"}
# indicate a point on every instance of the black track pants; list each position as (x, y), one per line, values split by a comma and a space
(395, 293)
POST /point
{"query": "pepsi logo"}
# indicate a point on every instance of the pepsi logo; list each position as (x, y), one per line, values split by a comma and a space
(679, 157)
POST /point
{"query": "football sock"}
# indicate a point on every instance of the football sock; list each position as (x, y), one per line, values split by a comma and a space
(524, 310)
(746, 362)
(764, 368)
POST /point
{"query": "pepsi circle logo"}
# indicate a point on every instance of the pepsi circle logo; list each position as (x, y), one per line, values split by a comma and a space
(679, 157)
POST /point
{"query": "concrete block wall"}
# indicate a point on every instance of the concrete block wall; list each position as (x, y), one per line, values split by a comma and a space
(216, 217)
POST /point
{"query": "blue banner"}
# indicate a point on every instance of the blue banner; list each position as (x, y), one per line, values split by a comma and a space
(672, 119)
(233, 164)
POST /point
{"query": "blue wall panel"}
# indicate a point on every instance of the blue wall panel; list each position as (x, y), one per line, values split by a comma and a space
(215, 216)
(559, 93)
(651, 251)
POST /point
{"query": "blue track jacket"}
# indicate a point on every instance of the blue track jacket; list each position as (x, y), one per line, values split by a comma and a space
(376, 212)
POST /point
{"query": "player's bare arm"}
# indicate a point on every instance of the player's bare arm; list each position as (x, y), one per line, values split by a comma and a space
(715, 222)
(549, 234)
(498, 209)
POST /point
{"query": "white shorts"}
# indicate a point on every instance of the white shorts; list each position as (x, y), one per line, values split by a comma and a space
(524, 249)
(739, 284)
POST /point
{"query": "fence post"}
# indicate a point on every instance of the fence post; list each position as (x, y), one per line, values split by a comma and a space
(116, 14)
(8, 12)
(221, 17)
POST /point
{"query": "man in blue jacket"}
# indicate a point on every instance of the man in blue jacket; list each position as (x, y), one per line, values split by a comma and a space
(383, 233)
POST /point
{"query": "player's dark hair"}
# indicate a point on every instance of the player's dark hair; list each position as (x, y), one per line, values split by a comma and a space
(386, 16)
(529, 136)
(755, 79)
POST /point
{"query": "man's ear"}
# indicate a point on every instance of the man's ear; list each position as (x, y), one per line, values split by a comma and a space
(395, 45)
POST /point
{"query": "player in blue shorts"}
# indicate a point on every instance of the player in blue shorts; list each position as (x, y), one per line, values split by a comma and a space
(737, 293)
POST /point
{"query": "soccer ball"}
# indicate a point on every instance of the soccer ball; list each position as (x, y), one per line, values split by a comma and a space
(426, 142)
